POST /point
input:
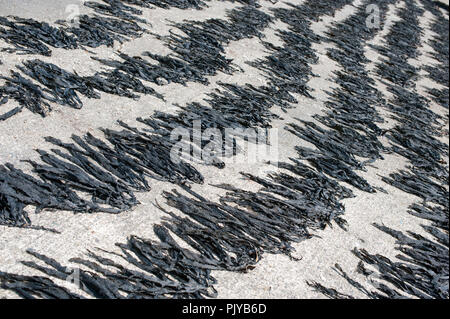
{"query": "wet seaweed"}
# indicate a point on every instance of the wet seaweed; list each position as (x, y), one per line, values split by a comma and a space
(167, 71)
(62, 84)
(95, 31)
(62, 87)
(27, 94)
(202, 46)
(29, 36)
(116, 9)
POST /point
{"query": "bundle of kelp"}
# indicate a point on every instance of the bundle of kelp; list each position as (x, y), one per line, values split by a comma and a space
(115, 8)
(65, 84)
(13, 213)
(167, 70)
(215, 236)
(158, 270)
(11, 210)
(61, 83)
(423, 268)
(27, 94)
(62, 87)
(29, 36)
(50, 193)
(109, 173)
(334, 157)
(18, 190)
(95, 31)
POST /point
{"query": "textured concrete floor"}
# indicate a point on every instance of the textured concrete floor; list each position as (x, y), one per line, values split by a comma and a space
(276, 276)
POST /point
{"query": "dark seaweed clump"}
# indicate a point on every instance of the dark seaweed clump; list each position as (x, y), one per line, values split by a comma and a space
(202, 45)
(28, 36)
(27, 94)
(109, 173)
(63, 87)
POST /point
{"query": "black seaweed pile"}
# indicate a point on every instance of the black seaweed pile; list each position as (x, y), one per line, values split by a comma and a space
(27, 94)
(62, 87)
(423, 269)
(109, 173)
(29, 36)
(202, 45)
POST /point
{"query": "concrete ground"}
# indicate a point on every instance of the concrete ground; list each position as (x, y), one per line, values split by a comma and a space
(276, 276)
